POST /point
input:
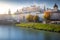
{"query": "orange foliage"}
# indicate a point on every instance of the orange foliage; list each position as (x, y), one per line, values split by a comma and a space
(46, 15)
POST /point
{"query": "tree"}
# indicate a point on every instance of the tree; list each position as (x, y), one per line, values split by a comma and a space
(29, 18)
(36, 18)
(47, 16)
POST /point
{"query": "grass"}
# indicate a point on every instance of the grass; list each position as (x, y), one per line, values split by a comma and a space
(40, 26)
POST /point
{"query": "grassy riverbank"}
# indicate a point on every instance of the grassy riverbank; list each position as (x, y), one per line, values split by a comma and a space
(40, 26)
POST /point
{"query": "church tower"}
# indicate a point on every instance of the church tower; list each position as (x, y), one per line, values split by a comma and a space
(9, 13)
(44, 8)
(55, 7)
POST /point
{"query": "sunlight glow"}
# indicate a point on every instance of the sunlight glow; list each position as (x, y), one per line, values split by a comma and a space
(4, 8)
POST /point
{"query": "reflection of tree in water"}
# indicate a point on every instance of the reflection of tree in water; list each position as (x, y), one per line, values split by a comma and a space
(47, 36)
(52, 36)
(31, 34)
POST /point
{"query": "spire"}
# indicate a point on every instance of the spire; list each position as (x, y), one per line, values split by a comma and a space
(17, 10)
(55, 6)
(9, 12)
(44, 8)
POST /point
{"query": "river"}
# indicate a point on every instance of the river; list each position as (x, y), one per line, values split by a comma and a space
(18, 33)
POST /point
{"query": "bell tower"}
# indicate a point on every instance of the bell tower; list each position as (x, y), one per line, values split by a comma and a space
(55, 7)
(9, 13)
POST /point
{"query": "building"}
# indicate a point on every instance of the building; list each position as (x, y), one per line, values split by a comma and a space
(54, 13)
(19, 16)
(33, 10)
(6, 16)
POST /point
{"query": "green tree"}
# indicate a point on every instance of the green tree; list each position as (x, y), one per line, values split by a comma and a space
(36, 18)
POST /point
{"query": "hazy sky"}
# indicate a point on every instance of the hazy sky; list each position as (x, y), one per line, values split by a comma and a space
(18, 4)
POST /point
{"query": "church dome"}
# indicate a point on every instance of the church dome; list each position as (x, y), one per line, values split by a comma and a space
(55, 5)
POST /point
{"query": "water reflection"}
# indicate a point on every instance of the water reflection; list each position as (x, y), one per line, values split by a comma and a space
(18, 33)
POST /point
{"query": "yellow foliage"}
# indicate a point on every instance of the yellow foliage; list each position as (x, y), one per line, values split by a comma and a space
(29, 17)
(36, 18)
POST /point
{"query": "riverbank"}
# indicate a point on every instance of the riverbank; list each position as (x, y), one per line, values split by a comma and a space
(40, 26)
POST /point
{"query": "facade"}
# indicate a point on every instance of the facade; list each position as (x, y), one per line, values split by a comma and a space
(54, 13)
(6, 16)
(33, 10)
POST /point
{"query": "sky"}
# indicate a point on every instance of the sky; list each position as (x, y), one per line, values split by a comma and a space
(13, 5)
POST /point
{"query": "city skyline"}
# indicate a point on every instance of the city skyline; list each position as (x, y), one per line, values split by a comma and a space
(13, 5)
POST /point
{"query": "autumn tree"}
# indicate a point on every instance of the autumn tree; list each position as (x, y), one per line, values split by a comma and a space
(29, 18)
(47, 16)
(36, 18)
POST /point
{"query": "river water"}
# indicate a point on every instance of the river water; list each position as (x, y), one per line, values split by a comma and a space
(18, 33)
